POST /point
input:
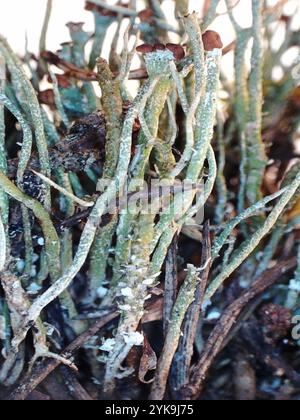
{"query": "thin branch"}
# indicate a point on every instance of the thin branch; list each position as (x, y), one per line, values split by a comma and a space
(246, 249)
(64, 191)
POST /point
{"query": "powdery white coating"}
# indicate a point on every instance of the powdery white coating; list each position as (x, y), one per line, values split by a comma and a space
(41, 241)
(206, 304)
(213, 315)
(124, 308)
(151, 279)
(2, 328)
(134, 338)
(157, 62)
(108, 345)
(20, 264)
(294, 285)
(101, 292)
(127, 292)
(33, 289)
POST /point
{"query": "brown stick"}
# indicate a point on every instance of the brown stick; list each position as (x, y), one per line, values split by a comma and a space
(44, 369)
(74, 386)
(218, 336)
(229, 47)
(55, 388)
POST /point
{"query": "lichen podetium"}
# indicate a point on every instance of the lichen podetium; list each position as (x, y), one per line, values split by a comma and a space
(152, 195)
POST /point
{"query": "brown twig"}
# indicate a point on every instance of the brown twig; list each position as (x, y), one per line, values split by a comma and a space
(71, 71)
(75, 388)
(38, 396)
(55, 388)
(230, 47)
(275, 8)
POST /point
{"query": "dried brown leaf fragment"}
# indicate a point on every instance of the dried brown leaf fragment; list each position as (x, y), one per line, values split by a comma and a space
(211, 40)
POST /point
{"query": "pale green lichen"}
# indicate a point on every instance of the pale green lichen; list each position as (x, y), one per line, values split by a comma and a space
(119, 258)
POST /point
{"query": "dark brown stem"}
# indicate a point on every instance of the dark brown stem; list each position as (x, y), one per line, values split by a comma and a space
(72, 71)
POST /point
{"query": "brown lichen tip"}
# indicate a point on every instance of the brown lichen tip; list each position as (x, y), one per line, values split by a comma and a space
(46, 97)
(92, 7)
(146, 16)
(145, 49)
(177, 50)
(50, 57)
(159, 47)
(75, 26)
(212, 40)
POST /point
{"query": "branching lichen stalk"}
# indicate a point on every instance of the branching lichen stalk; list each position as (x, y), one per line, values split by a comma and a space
(90, 228)
(246, 249)
(28, 97)
(51, 237)
(256, 154)
(4, 205)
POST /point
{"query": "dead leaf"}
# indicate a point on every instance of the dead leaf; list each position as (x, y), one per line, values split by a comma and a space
(148, 361)
(154, 311)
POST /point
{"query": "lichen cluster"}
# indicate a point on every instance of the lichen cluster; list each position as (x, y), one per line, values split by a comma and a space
(78, 239)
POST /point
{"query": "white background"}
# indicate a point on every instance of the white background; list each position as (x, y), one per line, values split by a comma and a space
(18, 17)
